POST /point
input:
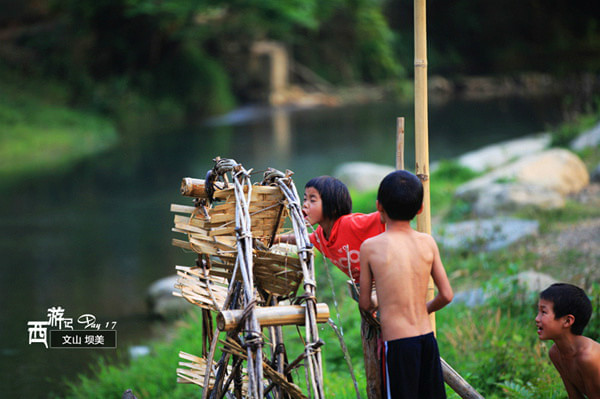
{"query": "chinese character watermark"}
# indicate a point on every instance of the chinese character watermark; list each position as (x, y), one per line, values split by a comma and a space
(58, 331)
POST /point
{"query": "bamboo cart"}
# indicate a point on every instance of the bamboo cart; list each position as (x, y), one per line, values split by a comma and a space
(246, 288)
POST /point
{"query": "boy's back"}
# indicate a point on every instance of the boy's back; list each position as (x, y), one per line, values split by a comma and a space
(401, 261)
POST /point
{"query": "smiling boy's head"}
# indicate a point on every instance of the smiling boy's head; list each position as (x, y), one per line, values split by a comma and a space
(568, 299)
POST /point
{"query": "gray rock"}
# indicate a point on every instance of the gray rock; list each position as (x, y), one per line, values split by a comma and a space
(138, 351)
(501, 198)
(161, 301)
(556, 169)
(543, 179)
(590, 138)
(362, 176)
(128, 394)
(529, 280)
(486, 235)
(471, 298)
(496, 155)
(533, 281)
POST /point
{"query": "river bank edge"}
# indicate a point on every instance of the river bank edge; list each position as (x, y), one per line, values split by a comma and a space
(43, 131)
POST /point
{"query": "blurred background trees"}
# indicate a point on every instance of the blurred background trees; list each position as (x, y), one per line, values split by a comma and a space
(195, 54)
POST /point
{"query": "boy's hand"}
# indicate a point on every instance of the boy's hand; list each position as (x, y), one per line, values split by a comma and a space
(370, 317)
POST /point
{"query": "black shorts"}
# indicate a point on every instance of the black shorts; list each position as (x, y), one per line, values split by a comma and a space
(411, 369)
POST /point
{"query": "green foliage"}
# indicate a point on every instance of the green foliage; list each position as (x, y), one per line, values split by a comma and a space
(443, 181)
(519, 390)
(377, 61)
(146, 376)
(194, 56)
(567, 132)
(494, 348)
(40, 131)
(196, 80)
(593, 328)
(363, 201)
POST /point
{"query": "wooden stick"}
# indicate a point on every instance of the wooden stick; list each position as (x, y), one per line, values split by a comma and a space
(400, 143)
(272, 316)
(457, 383)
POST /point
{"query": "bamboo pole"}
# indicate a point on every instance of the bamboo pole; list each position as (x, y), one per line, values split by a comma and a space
(400, 143)
(272, 316)
(451, 377)
(421, 126)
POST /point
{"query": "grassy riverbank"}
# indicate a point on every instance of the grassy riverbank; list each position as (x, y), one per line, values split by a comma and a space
(41, 131)
(494, 346)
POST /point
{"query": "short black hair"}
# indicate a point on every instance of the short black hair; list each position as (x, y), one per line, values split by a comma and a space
(335, 197)
(569, 299)
(401, 195)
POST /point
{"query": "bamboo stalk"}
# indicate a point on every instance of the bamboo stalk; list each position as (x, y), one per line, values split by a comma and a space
(272, 316)
(400, 143)
(451, 377)
(191, 187)
(421, 127)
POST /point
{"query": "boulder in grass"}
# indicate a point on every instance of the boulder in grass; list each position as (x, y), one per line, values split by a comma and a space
(487, 234)
(529, 280)
(161, 301)
(362, 176)
(504, 198)
(496, 155)
(543, 179)
(589, 138)
(533, 281)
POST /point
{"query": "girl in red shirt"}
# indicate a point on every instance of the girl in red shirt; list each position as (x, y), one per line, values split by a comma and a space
(338, 237)
(339, 233)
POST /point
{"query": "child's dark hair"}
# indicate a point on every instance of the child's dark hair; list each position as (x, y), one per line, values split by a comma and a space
(335, 197)
(401, 195)
(569, 299)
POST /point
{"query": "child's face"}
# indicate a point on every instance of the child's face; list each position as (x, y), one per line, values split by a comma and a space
(548, 327)
(312, 207)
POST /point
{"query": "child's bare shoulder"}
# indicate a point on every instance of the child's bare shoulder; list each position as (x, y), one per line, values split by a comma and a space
(426, 238)
(371, 242)
(590, 355)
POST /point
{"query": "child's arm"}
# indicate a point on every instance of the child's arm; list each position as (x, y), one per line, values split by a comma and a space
(441, 281)
(366, 278)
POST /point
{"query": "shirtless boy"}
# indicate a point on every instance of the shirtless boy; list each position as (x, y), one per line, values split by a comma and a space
(563, 312)
(401, 261)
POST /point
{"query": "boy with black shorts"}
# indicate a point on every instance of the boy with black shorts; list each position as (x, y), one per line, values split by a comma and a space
(563, 312)
(401, 261)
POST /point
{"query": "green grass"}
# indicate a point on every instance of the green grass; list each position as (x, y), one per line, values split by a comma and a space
(40, 131)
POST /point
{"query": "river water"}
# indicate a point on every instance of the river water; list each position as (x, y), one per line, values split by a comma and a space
(92, 238)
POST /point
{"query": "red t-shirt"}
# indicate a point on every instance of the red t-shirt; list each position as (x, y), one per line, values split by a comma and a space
(347, 234)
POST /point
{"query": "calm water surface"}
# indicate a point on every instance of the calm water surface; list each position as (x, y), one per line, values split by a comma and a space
(93, 238)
